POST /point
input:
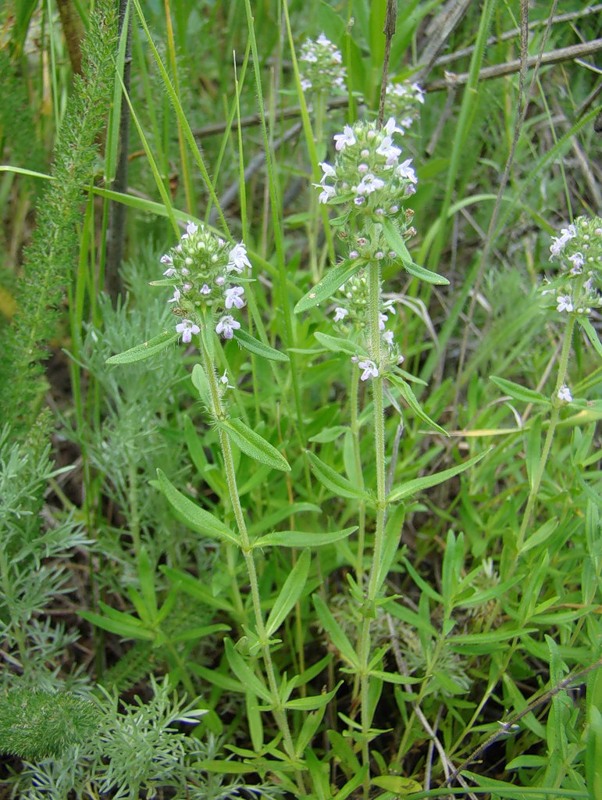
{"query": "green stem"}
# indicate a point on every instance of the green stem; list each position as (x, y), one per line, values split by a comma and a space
(247, 551)
(555, 416)
(379, 535)
(357, 457)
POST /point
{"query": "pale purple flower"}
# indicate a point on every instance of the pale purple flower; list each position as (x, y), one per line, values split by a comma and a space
(170, 272)
(404, 170)
(368, 184)
(382, 318)
(328, 170)
(564, 302)
(326, 193)
(238, 259)
(370, 370)
(577, 261)
(388, 338)
(176, 296)
(345, 139)
(391, 127)
(233, 297)
(191, 228)
(226, 326)
(220, 280)
(340, 313)
(205, 289)
(187, 328)
(564, 394)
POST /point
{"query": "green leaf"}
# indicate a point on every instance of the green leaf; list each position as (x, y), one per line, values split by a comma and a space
(518, 392)
(201, 384)
(258, 348)
(411, 399)
(312, 703)
(591, 334)
(396, 784)
(334, 277)
(418, 484)
(540, 536)
(290, 593)
(396, 243)
(338, 345)
(245, 674)
(194, 588)
(146, 349)
(253, 444)
(302, 539)
(119, 623)
(196, 518)
(331, 479)
(336, 633)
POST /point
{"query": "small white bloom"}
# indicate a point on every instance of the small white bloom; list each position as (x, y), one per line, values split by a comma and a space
(564, 394)
(382, 318)
(176, 296)
(191, 228)
(353, 254)
(170, 272)
(233, 297)
(391, 127)
(340, 313)
(404, 170)
(326, 193)
(187, 328)
(166, 259)
(224, 380)
(220, 280)
(226, 326)
(345, 139)
(564, 303)
(368, 184)
(329, 172)
(577, 261)
(205, 289)
(370, 370)
(237, 259)
(388, 338)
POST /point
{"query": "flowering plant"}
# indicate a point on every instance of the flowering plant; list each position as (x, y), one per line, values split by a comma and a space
(322, 67)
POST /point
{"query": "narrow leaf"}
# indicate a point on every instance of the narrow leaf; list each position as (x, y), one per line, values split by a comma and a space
(334, 277)
(128, 628)
(312, 703)
(194, 588)
(290, 593)
(338, 345)
(591, 334)
(196, 518)
(253, 345)
(518, 392)
(253, 444)
(411, 399)
(331, 479)
(302, 539)
(145, 350)
(245, 674)
(336, 633)
(396, 243)
(419, 484)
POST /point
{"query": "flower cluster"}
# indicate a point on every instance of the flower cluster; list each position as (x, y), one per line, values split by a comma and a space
(351, 321)
(321, 66)
(368, 174)
(204, 272)
(404, 101)
(578, 250)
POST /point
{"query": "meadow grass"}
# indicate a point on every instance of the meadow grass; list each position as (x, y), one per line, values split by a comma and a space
(301, 499)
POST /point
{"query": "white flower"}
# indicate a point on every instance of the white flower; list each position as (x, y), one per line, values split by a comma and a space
(391, 127)
(387, 148)
(404, 170)
(237, 259)
(340, 313)
(234, 297)
(205, 289)
(226, 326)
(577, 261)
(370, 369)
(176, 296)
(345, 139)
(388, 338)
(368, 184)
(170, 272)
(381, 322)
(329, 172)
(564, 303)
(326, 193)
(224, 380)
(564, 394)
(191, 228)
(187, 328)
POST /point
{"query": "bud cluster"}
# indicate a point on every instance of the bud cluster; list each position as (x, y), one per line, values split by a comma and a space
(578, 250)
(203, 270)
(404, 101)
(321, 66)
